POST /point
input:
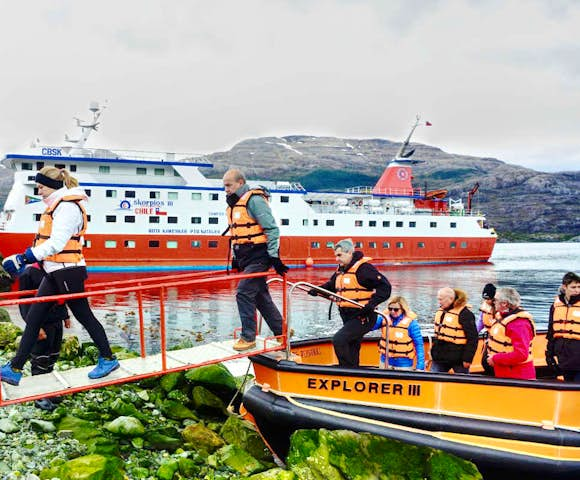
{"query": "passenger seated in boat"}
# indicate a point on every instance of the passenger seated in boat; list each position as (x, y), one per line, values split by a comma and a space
(510, 337)
(357, 280)
(563, 349)
(486, 318)
(455, 333)
(405, 340)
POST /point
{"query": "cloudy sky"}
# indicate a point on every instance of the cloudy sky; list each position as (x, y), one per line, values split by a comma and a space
(496, 78)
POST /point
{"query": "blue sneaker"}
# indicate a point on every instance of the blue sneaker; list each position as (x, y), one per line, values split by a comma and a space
(10, 376)
(104, 367)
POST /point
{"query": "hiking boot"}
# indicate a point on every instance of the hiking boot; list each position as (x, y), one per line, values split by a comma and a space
(45, 404)
(242, 345)
(56, 400)
(10, 376)
(104, 367)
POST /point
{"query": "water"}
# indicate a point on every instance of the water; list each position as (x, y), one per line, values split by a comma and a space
(209, 313)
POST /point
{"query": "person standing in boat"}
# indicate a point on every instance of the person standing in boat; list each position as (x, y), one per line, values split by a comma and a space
(455, 333)
(358, 280)
(486, 319)
(404, 335)
(255, 239)
(58, 249)
(563, 349)
(510, 337)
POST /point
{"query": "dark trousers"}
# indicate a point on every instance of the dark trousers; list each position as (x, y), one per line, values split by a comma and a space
(45, 352)
(446, 366)
(253, 294)
(79, 307)
(348, 339)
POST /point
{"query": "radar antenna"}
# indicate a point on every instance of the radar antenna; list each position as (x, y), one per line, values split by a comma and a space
(87, 127)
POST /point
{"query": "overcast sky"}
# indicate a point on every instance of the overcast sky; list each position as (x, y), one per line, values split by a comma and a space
(495, 78)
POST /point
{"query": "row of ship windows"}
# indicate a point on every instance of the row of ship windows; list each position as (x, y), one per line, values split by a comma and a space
(155, 219)
(173, 244)
(104, 169)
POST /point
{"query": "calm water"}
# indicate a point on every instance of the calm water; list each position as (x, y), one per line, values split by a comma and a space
(210, 313)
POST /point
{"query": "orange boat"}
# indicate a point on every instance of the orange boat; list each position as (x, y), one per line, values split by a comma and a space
(504, 426)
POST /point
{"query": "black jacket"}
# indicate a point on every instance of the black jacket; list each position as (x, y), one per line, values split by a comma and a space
(442, 351)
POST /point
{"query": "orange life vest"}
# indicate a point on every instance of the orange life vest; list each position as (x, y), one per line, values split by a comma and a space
(487, 314)
(566, 320)
(244, 228)
(73, 250)
(447, 326)
(400, 342)
(499, 342)
(346, 284)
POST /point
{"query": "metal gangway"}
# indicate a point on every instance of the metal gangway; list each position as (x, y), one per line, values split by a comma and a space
(145, 365)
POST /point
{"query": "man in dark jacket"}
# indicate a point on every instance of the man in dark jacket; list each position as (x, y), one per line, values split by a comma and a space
(563, 349)
(455, 333)
(357, 280)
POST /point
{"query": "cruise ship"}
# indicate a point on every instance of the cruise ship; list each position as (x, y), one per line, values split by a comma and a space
(158, 211)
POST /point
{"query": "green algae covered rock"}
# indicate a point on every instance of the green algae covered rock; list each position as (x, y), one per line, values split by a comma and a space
(125, 427)
(122, 408)
(162, 440)
(237, 459)
(216, 378)
(167, 469)
(177, 411)
(8, 334)
(206, 402)
(4, 315)
(342, 454)
(242, 433)
(202, 438)
(71, 348)
(92, 467)
(80, 429)
(274, 474)
(171, 381)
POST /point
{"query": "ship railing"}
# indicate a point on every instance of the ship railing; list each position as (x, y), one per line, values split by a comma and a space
(397, 192)
(145, 365)
(128, 154)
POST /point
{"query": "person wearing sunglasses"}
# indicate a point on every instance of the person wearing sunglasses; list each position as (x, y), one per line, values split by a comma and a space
(401, 329)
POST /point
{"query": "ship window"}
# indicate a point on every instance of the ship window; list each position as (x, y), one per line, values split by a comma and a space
(111, 218)
(452, 244)
(315, 223)
(314, 244)
(195, 244)
(129, 193)
(87, 244)
(399, 245)
(111, 193)
(159, 172)
(88, 192)
(213, 220)
(60, 166)
(176, 173)
(304, 222)
(141, 171)
(421, 244)
(372, 244)
(171, 219)
(463, 245)
(214, 196)
(212, 244)
(399, 224)
(31, 178)
(154, 195)
(358, 223)
(386, 245)
(26, 166)
(386, 224)
(171, 244)
(358, 244)
(129, 218)
(72, 168)
(104, 169)
(154, 219)
(172, 195)
(129, 243)
(110, 244)
(195, 219)
(453, 225)
(196, 196)
(37, 217)
(412, 224)
(285, 222)
(35, 191)
(372, 223)
(88, 218)
(153, 243)
(284, 199)
(39, 165)
(330, 245)
(330, 223)
(433, 224)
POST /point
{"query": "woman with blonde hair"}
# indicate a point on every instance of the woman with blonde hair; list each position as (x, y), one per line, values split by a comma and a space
(402, 330)
(57, 248)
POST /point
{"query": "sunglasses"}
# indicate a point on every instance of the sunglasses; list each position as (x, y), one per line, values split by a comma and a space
(394, 309)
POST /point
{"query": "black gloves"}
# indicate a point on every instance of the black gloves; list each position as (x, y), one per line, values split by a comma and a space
(280, 268)
(235, 265)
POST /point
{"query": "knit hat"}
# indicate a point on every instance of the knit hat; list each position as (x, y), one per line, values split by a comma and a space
(488, 291)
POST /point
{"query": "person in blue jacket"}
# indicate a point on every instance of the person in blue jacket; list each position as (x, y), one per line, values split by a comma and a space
(405, 340)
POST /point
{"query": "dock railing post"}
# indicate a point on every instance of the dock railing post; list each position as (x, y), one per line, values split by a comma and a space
(162, 329)
(141, 323)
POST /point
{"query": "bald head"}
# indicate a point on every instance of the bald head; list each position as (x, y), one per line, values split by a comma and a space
(445, 297)
(233, 179)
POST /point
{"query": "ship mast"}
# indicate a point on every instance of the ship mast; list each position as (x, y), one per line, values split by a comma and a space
(401, 153)
(86, 128)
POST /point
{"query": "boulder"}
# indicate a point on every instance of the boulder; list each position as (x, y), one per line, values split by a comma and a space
(171, 381)
(177, 411)
(167, 469)
(216, 378)
(206, 402)
(4, 315)
(92, 467)
(80, 429)
(202, 438)
(161, 440)
(125, 427)
(243, 434)
(8, 426)
(237, 459)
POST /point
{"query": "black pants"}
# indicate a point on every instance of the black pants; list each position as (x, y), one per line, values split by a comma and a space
(45, 352)
(68, 280)
(348, 339)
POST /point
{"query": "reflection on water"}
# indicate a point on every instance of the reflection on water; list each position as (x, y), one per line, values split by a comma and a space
(201, 315)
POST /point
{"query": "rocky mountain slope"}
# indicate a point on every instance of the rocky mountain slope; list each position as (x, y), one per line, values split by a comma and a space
(519, 202)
